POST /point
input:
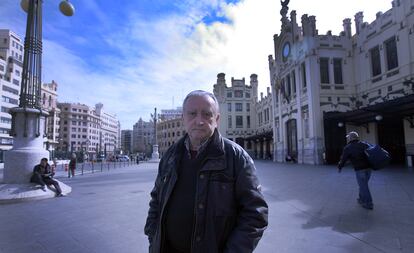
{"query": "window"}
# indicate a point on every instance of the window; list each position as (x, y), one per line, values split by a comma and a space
(239, 107)
(338, 70)
(5, 109)
(293, 82)
(1, 67)
(375, 61)
(391, 53)
(229, 94)
(247, 94)
(238, 94)
(324, 69)
(7, 141)
(229, 122)
(288, 86)
(239, 121)
(16, 82)
(248, 107)
(248, 121)
(11, 90)
(5, 120)
(4, 131)
(229, 107)
(9, 100)
(17, 72)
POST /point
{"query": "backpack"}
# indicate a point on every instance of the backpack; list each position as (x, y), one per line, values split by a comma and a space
(378, 157)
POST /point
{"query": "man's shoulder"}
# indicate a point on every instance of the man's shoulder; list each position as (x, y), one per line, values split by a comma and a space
(234, 149)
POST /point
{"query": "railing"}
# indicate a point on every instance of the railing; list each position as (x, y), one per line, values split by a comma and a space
(62, 169)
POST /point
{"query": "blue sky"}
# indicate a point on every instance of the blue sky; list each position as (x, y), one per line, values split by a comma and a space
(136, 55)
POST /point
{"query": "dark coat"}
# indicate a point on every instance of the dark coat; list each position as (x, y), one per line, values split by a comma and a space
(235, 214)
(355, 151)
(72, 164)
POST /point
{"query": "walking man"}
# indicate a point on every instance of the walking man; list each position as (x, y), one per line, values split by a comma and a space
(72, 165)
(206, 196)
(355, 152)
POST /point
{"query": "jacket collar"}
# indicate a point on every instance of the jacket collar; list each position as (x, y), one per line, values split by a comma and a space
(215, 152)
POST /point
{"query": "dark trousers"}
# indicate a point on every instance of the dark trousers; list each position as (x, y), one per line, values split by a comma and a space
(38, 179)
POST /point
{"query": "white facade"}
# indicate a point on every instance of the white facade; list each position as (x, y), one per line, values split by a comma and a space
(11, 64)
(110, 128)
(327, 85)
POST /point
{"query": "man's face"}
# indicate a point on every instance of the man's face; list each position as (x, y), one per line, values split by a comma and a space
(43, 163)
(200, 118)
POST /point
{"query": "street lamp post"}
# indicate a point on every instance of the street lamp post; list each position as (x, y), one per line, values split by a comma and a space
(28, 120)
(155, 157)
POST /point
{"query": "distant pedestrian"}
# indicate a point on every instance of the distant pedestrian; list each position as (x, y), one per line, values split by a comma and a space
(355, 152)
(72, 166)
(42, 174)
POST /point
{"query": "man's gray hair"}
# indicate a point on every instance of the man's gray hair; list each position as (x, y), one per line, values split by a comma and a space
(202, 93)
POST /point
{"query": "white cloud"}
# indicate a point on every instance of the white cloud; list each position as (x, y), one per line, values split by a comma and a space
(165, 57)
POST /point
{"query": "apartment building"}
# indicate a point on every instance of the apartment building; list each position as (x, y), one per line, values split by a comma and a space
(109, 134)
(126, 141)
(80, 129)
(143, 137)
(169, 131)
(11, 64)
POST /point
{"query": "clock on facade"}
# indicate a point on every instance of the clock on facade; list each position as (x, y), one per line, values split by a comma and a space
(286, 50)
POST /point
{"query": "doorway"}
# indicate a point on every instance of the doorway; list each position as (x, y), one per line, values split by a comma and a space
(292, 144)
(391, 138)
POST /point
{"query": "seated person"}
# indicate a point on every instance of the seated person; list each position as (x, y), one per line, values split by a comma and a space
(42, 175)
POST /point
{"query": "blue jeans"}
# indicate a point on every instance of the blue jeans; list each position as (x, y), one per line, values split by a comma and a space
(364, 193)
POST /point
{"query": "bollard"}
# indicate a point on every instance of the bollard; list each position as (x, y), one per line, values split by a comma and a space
(107, 163)
(93, 171)
(82, 167)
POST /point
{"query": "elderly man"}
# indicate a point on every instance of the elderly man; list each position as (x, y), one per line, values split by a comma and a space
(355, 151)
(206, 196)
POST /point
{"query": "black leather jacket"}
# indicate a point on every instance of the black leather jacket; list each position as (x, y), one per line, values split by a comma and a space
(355, 151)
(235, 214)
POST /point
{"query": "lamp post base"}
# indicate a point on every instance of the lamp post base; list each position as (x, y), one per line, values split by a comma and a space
(12, 193)
(155, 157)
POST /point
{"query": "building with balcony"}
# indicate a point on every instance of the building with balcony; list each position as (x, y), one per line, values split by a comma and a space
(49, 103)
(109, 131)
(169, 131)
(11, 65)
(80, 129)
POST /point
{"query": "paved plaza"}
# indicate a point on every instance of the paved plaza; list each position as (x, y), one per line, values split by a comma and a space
(312, 209)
